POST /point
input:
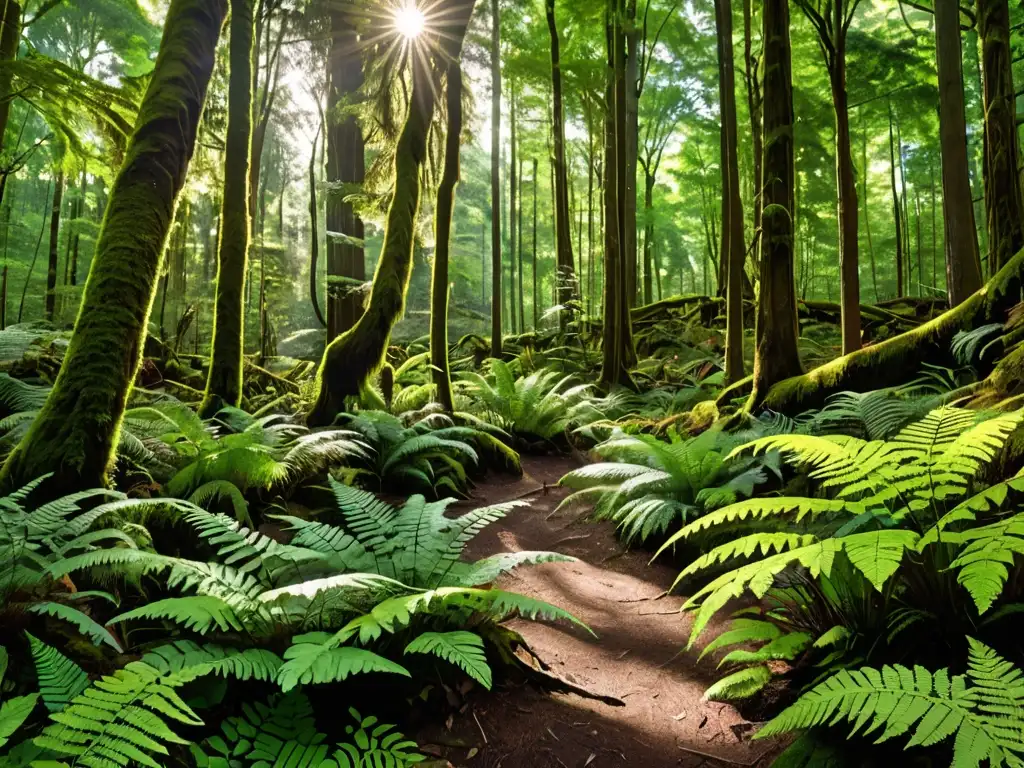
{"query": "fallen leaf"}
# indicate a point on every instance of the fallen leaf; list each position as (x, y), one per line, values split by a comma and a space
(593, 756)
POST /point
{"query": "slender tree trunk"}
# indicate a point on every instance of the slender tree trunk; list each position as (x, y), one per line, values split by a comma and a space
(777, 356)
(224, 383)
(754, 107)
(533, 251)
(51, 272)
(346, 264)
(76, 246)
(513, 179)
(519, 254)
(849, 257)
(935, 230)
(920, 257)
(495, 178)
(565, 274)
(733, 247)
(867, 221)
(963, 267)
(314, 233)
(351, 358)
(905, 211)
(439, 290)
(75, 433)
(35, 256)
(1004, 204)
(896, 211)
(648, 235)
(590, 211)
(627, 199)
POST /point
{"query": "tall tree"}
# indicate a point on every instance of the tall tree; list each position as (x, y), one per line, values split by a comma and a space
(346, 166)
(496, 178)
(733, 248)
(76, 432)
(351, 358)
(54, 252)
(444, 210)
(831, 20)
(10, 39)
(224, 382)
(897, 211)
(566, 269)
(963, 266)
(1004, 204)
(776, 354)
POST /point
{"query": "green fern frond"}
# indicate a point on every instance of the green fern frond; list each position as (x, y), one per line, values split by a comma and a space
(741, 684)
(199, 613)
(987, 555)
(746, 546)
(488, 570)
(60, 679)
(463, 649)
(13, 714)
(316, 658)
(84, 623)
(189, 661)
(982, 708)
(222, 489)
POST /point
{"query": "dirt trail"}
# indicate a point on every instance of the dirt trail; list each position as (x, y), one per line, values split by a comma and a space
(635, 657)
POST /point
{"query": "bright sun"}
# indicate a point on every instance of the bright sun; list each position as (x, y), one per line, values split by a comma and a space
(409, 21)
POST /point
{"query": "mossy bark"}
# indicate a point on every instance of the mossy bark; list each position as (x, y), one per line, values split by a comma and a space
(77, 430)
(1004, 205)
(900, 358)
(495, 179)
(439, 290)
(224, 384)
(776, 355)
(358, 353)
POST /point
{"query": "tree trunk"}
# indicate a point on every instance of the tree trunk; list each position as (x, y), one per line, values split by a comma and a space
(10, 40)
(1004, 205)
(314, 233)
(51, 272)
(565, 274)
(533, 252)
(351, 358)
(963, 267)
(76, 432)
(627, 197)
(519, 252)
(618, 352)
(224, 382)
(35, 257)
(867, 221)
(439, 289)
(849, 257)
(76, 245)
(513, 315)
(754, 107)
(649, 182)
(733, 247)
(346, 264)
(496, 178)
(776, 355)
(896, 212)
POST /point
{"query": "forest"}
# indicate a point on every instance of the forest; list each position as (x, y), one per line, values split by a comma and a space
(511, 383)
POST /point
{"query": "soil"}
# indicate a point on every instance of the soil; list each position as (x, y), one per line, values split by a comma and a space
(636, 656)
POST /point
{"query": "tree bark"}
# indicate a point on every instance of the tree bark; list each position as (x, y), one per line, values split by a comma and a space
(519, 251)
(513, 314)
(346, 165)
(10, 40)
(776, 355)
(224, 381)
(733, 246)
(314, 233)
(496, 178)
(439, 290)
(76, 432)
(649, 182)
(566, 270)
(754, 108)
(1004, 205)
(867, 220)
(631, 100)
(896, 211)
(533, 252)
(963, 266)
(54, 252)
(351, 358)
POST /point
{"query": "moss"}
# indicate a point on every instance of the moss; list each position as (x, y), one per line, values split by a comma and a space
(224, 384)
(900, 358)
(77, 429)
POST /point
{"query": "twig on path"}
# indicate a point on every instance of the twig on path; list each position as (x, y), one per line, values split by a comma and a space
(567, 539)
(659, 613)
(480, 727)
(534, 492)
(726, 760)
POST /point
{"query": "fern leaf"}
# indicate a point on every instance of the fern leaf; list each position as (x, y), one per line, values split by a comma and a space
(83, 622)
(199, 613)
(743, 631)
(740, 685)
(60, 679)
(315, 658)
(463, 649)
(188, 661)
(986, 558)
(489, 569)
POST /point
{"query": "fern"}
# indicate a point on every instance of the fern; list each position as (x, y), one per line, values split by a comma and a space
(463, 649)
(312, 659)
(984, 708)
(60, 679)
(13, 711)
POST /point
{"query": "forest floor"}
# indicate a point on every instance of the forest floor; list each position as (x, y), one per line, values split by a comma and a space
(636, 655)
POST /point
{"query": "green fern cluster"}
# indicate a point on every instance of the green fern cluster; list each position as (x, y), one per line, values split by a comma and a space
(860, 558)
(651, 485)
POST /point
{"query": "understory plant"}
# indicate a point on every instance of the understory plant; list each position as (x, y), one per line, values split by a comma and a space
(890, 539)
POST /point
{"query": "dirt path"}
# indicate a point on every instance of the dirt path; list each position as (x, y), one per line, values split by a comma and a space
(635, 656)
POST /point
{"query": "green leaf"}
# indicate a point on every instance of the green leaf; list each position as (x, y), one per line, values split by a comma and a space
(464, 649)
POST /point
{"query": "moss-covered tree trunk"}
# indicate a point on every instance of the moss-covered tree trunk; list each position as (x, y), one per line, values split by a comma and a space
(618, 352)
(963, 266)
(495, 178)
(54, 251)
(76, 432)
(1004, 205)
(224, 383)
(355, 355)
(733, 247)
(346, 165)
(439, 289)
(563, 234)
(776, 355)
(10, 39)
